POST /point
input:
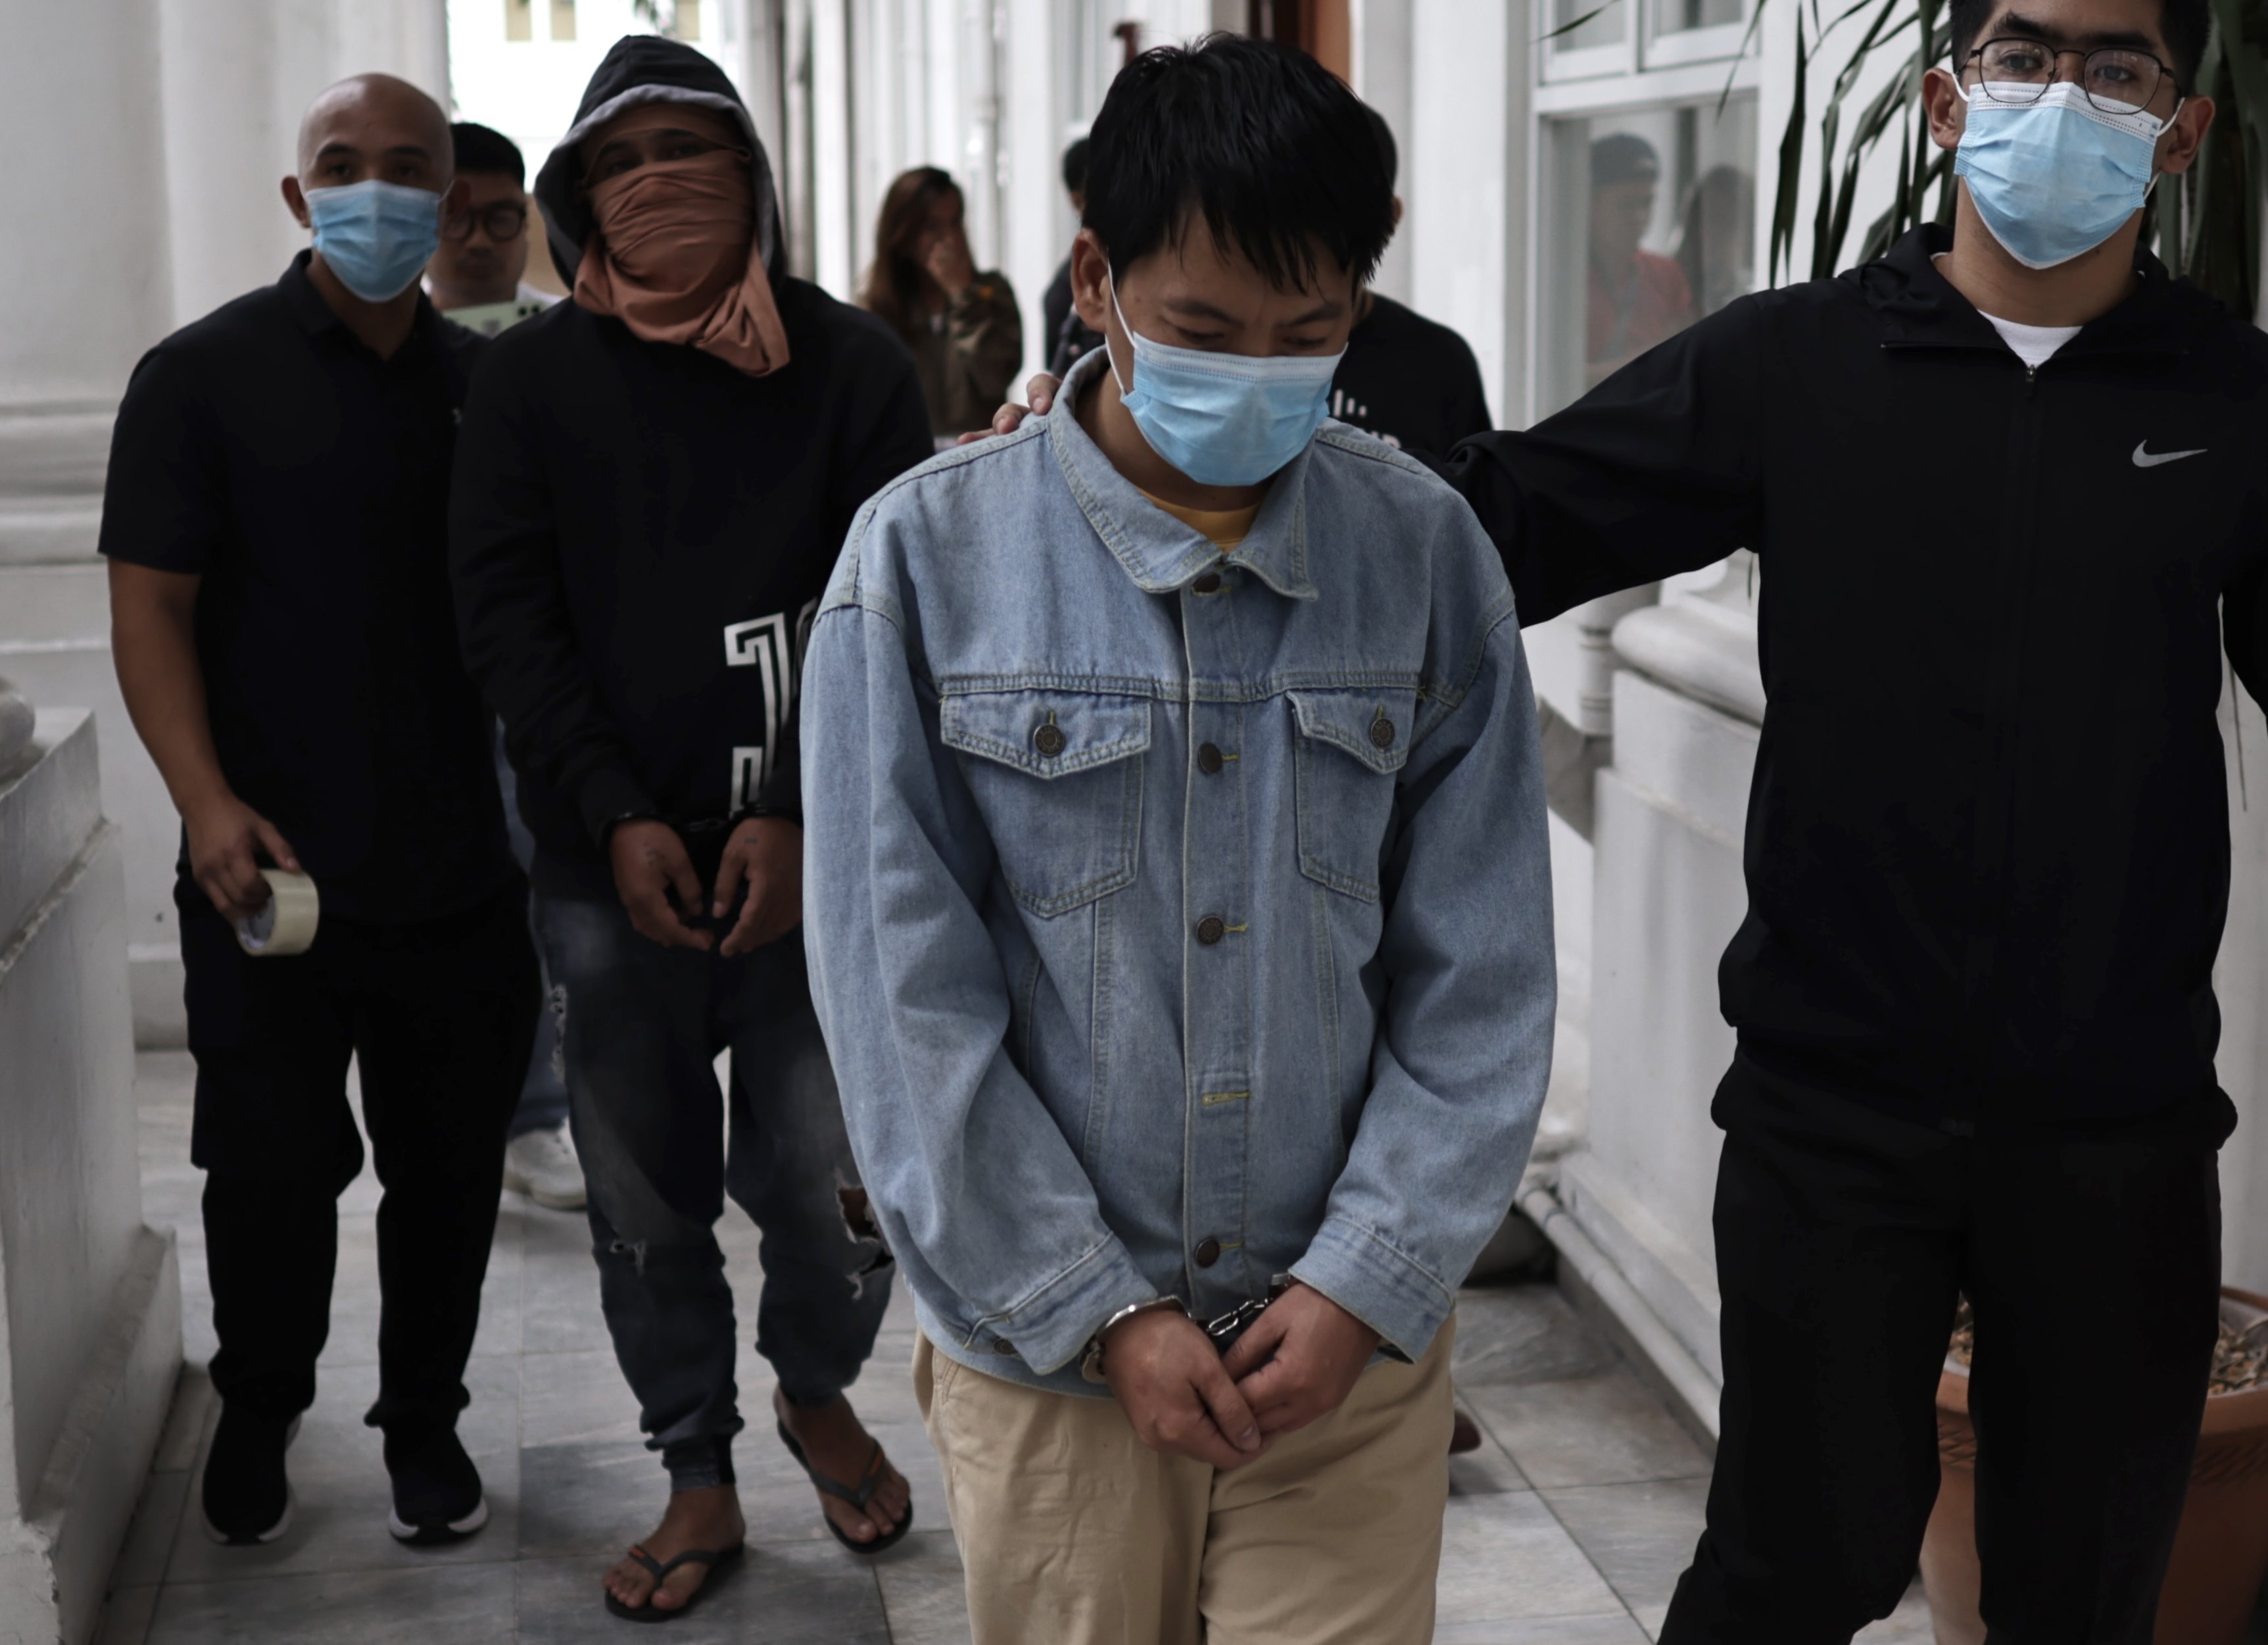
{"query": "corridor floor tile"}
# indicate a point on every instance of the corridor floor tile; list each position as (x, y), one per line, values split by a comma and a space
(461, 1605)
(1640, 1536)
(1616, 1629)
(1605, 1428)
(920, 1580)
(1506, 1557)
(1522, 1333)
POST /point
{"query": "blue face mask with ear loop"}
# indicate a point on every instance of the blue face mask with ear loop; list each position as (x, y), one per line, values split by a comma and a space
(1224, 419)
(377, 237)
(2054, 179)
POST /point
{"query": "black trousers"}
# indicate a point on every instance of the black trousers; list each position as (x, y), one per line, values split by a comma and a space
(1844, 1240)
(441, 1014)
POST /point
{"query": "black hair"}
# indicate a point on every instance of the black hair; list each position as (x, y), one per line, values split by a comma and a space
(1384, 134)
(2184, 23)
(481, 149)
(1074, 167)
(1623, 157)
(1268, 145)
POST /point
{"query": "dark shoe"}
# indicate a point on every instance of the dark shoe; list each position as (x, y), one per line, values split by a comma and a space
(247, 1500)
(1464, 1434)
(437, 1490)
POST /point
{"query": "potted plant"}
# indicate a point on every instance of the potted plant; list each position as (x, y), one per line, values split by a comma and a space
(2221, 1553)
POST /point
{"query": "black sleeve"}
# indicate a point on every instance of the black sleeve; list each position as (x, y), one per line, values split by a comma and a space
(885, 433)
(165, 499)
(512, 617)
(1655, 471)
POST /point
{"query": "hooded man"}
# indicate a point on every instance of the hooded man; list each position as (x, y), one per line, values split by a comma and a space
(656, 478)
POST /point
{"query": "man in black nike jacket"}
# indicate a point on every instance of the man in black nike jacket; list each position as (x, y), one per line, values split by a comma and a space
(654, 480)
(1987, 847)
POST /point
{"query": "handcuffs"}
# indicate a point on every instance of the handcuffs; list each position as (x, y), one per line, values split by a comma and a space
(1224, 1329)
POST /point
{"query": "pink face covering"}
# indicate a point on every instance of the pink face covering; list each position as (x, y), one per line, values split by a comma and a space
(675, 259)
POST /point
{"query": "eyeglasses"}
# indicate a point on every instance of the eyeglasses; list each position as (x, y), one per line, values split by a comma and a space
(507, 220)
(2117, 79)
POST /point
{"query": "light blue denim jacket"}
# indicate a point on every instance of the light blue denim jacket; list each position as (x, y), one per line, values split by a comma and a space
(1175, 921)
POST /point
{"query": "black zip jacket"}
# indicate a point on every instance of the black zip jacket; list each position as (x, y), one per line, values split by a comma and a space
(1988, 849)
(640, 532)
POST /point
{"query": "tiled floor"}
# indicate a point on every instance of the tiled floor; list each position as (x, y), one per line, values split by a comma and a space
(1568, 1527)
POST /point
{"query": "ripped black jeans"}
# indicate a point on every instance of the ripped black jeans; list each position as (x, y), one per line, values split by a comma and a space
(661, 1147)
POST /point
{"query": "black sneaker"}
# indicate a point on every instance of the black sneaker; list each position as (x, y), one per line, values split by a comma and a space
(247, 1500)
(437, 1490)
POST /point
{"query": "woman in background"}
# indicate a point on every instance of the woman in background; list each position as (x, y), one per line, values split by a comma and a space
(962, 326)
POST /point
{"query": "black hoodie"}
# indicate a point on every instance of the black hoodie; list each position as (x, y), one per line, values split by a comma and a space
(640, 532)
(1987, 847)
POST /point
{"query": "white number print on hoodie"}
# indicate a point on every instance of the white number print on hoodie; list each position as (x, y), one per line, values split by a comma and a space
(773, 646)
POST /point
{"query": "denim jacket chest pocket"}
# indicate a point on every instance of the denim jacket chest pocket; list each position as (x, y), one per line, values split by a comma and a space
(1349, 750)
(1059, 778)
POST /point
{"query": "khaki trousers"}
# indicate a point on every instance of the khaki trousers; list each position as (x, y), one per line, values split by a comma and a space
(1073, 1532)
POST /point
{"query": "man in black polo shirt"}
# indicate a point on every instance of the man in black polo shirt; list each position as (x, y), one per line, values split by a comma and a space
(1411, 381)
(275, 523)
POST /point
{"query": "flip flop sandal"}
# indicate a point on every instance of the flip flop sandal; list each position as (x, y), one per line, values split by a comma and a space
(718, 1560)
(857, 1496)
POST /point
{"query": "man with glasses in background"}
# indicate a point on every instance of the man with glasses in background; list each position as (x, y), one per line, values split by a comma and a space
(2006, 485)
(478, 276)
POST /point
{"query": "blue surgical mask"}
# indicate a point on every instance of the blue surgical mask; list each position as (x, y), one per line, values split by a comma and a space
(2056, 178)
(1224, 419)
(376, 237)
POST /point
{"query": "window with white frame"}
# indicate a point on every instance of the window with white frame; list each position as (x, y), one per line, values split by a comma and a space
(1647, 160)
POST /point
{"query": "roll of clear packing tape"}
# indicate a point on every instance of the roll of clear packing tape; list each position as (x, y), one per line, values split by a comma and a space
(285, 923)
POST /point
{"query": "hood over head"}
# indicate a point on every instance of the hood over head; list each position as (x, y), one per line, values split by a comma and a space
(647, 69)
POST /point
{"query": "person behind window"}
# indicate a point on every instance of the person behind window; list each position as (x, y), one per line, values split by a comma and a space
(475, 277)
(1716, 248)
(1068, 336)
(1638, 297)
(962, 326)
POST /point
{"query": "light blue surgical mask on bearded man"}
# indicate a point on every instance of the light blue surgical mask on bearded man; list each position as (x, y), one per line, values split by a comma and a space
(376, 236)
(2056, 178)
(1224, 419)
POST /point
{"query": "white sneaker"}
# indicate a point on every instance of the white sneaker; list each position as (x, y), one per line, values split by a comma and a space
(542, 1164)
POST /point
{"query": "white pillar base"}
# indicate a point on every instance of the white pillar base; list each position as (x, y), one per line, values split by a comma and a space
(90, 1299)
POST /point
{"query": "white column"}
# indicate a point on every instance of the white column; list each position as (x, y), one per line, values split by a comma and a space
(85, 263)
(1037, 225)
(90, 1310)
(835, 236)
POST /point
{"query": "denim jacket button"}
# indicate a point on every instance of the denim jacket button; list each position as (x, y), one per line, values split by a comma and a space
(1208, 759)
(1208, 1251)
(1381, 732)
(1049, 740)
(1208, 584)
(1211, 929)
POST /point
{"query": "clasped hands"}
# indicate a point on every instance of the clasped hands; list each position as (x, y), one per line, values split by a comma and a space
(654, 877)
(1297, 1361)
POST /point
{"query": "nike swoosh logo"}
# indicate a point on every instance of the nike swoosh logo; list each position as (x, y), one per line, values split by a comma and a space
(2143, 459)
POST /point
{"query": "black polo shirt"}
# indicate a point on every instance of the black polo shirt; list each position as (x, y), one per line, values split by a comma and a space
(1409, 380)
(268, 450)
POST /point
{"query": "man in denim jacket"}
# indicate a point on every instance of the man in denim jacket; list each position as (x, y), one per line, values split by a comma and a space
(1179, 913)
